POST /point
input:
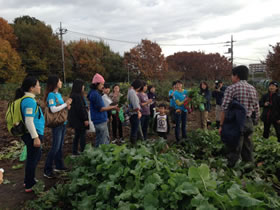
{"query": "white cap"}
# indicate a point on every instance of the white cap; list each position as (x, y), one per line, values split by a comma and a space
(2, 170)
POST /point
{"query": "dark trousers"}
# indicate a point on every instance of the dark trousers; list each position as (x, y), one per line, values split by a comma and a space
(55, 154)
(145, 124)
(244, 148)
(33, 157)
(116, 125)
(172, 114)
(181, 121)
(162, 135)
(134, 126)
(266, 130)
(80, 134)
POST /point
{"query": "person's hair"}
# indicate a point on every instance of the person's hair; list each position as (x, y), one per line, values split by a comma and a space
(162, 105)
(77, 88)
(27, 83)
(174, 83)
(241, 72)
(94, 86)
(51, 85)
(136, 84)
(115, 85)
(200, 86)
(150, 87)
(179, 81)
(106, 86)
(142, 86)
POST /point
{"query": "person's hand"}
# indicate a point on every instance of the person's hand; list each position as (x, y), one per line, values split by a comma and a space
(220, 130)
(150, 101)
(139, 115)
(69, 101)
(69, 107)
(116, 107)
(278, 121)
(37, 142)
(178, 111)
(266, 103)
(86, 123)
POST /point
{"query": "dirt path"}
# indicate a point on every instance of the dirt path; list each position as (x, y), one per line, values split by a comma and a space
(12, 195)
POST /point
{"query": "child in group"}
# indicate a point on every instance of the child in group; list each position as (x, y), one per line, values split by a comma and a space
(116, 123)
(172, 102)
(107, 102)
(271, 110)
(205, 92)
(78, 116)
(161, 122)
(180, 97)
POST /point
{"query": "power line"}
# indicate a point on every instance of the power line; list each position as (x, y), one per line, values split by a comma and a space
(249, 59)
(132, 42)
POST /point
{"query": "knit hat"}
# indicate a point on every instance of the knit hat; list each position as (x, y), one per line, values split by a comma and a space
(97, 79)
(273, 83)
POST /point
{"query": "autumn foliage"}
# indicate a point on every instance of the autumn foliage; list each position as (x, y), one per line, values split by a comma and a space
(146, 61)
(200, 66)
(273, 62)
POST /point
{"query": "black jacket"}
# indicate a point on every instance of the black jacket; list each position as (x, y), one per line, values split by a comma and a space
(219, 95)
(78, 112)
(234, 123)
(271, 113)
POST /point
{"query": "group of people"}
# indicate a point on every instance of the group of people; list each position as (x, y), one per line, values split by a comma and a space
(143, 112)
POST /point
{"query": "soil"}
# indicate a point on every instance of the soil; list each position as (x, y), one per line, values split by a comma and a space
(12, 195)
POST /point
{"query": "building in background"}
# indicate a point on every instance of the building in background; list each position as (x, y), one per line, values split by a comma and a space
(257, 68)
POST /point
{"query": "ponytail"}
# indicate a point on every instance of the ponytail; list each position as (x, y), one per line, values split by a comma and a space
(19, 93)
(27, 83)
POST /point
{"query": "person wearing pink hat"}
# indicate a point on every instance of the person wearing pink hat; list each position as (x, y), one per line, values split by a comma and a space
(98, 111)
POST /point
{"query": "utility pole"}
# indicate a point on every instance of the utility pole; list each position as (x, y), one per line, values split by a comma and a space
(230, 50)
(62, 31)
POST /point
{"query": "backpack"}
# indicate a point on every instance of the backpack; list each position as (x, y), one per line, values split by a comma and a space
(14, 117)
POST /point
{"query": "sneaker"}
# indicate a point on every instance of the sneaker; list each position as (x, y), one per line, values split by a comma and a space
(28, 190)
(36, 180)
(115, 141)
(121, 140)
(61, 170)
(49, 176)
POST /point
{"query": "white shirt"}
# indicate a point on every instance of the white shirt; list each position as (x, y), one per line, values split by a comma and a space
(162, 123)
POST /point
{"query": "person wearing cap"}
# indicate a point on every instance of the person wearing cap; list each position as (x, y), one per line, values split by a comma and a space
(98, 110)
(134, 107)
(218, 94)
(247, 97)
(271, 110)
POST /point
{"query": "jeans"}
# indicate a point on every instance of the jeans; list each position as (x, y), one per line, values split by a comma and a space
(102, 134)
(80, 134)
(134, 126)
(180, 118)
(55, 154)
(33, 157)
(144, 125)
(267, 129)
(116, 125)
(162, 135)
(245, 147)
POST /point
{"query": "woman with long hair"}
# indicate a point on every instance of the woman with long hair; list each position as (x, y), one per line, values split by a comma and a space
(55, 103)
(78, 116)
(116, 123)
(98, 111)
(145, 108)
(35, 123)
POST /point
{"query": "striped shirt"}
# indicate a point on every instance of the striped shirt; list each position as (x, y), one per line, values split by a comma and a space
(246, 94)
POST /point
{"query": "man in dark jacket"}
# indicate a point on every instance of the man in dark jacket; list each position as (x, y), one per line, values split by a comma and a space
(271, 110)
(246, 95)
(218, 94)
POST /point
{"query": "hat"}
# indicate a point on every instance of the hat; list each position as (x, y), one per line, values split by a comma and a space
(97, 79)
(218, 81)
(273, 83)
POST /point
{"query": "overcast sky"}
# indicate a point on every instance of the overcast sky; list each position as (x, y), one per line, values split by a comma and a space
(254, 24)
